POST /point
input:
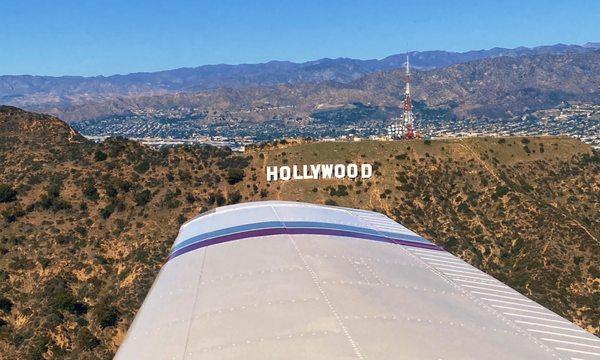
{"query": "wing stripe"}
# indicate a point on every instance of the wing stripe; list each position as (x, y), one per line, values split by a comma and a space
(325, 229)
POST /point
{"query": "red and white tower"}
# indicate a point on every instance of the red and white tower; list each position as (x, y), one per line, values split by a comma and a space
(408, 117)
(403, 128)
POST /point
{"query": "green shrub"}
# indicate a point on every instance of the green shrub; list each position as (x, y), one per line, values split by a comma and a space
(5, 304)
(107, 211)
(60, 296)
(464, 208)
(181, 219)
(451, 243)
(239, 162)
(190, 198)
(500, 192)
(216, 198)
(7, 193)
(90, 191)
(234, 197)
(51, 200)
(142, 166)
(170, 200)
(234, 175)
(79, 308)
(86, 340)
(37, 347)
(106, 315)
(124, 185)
(11, 214)
(100, 156)
(340, 191)
(111, 191)
(143, 197)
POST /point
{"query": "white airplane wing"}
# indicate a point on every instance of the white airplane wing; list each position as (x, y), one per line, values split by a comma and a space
(284, 280)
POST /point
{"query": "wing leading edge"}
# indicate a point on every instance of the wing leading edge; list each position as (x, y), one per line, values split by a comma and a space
(293, 280)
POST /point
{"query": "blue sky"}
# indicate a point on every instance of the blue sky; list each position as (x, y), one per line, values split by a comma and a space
(82, 37)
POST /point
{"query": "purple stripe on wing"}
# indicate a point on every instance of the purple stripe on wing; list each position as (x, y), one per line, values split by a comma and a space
(298, 231)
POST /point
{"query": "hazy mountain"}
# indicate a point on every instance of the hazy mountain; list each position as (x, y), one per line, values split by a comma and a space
(43, 92)
(500, 86)
(495, 87)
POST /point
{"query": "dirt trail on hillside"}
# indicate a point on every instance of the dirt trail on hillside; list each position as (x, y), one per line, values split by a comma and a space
(479, 159)
(493, 173)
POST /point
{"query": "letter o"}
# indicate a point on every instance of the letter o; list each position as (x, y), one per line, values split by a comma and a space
(339, 171)
(285, 173)
(352, 171)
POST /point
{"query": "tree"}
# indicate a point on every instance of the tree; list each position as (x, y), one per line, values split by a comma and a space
(52, 200)
(7, 194)
(107, 211)
(235, 175)
(86, 340)
(106, 315)
(100, 156)
(142, 166)
(5, 304)
(143, 197)
(340, 191)
(11, 214)
(500, 192)
(234, 197)
(111, 191)
(90, 191)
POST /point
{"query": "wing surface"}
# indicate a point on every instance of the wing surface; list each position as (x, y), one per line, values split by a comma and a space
(285, 280)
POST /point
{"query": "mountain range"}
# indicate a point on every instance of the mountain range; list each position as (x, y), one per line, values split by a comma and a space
(327, 81)
(495, 87)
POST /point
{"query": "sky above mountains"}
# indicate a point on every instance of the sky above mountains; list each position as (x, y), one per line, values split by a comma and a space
(75, 37)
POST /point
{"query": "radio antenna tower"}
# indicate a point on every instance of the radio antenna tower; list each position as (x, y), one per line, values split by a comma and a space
(408, 117)
(403, 128)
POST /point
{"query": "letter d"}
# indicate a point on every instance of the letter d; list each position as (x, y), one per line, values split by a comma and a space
(366, 171)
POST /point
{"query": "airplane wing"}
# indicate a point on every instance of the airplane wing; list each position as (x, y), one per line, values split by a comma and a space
(286, 280)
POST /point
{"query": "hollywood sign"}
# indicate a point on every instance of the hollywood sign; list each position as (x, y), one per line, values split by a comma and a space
(319, 171)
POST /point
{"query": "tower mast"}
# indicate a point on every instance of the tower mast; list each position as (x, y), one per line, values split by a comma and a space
(408, 117)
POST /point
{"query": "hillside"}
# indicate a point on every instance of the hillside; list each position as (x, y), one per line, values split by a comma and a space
(86, 226)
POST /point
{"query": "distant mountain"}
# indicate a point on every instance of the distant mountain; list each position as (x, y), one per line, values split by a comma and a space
(499, 87)
(44, 92)
(495, 87)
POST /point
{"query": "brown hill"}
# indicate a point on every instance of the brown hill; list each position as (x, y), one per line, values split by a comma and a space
(86, 226)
